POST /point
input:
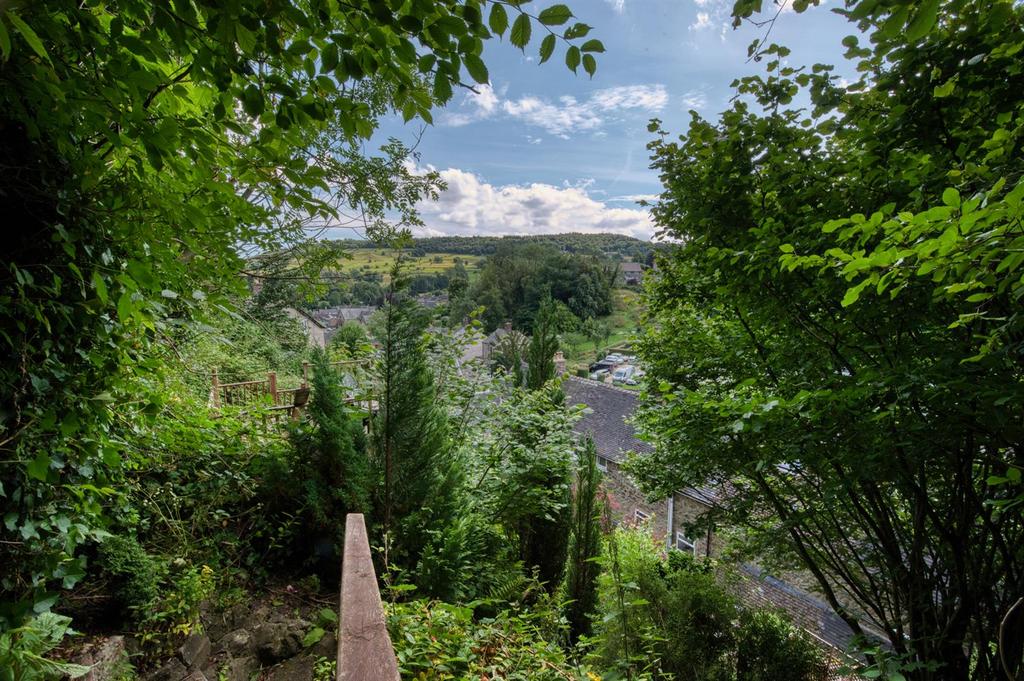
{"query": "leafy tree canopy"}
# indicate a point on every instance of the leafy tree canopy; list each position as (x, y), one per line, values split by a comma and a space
(838, 332)
(148, 148)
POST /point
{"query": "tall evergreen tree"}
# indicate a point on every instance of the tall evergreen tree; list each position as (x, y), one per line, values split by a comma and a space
(411, 446)
(330, 464)
(542, 346)
(584, 544)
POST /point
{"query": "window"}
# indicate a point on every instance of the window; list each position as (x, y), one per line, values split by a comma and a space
(602, 464)
(684, 544)
(640, 516)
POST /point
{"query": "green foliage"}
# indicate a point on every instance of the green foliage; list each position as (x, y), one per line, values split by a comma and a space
(151, 158)
(175, 614)
(463, 558)
(436, 640)
(515, 280)
(417, 475)
(351, 339)
(837, 332)
(610, 246)
(23, 650)
(671, 617)
(543, 344)
(584, 545)
(330, 474)
(509, 354)
(136, 575)
(768, 648)
(522, 476)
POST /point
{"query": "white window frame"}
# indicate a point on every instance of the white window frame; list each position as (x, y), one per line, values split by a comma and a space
(683, 543)
(602, 464)
(640, 516)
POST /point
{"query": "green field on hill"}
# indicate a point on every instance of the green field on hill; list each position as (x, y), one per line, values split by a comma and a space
(381, 260)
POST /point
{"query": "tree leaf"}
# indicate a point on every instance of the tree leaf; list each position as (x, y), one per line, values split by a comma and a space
(100, 286)
(476, 67)
(944, 90)
(29, 35)
(547, 47)
(572, 58)
(556, 15)
(442, 88)
(252, 101)
(38, 467)
(521, 29)
(5, 41)
(498, 20)
(923, 21)
(592, 45)
(589, 64)
(951, 197)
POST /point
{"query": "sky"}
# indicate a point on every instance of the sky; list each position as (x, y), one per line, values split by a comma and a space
(543, 151)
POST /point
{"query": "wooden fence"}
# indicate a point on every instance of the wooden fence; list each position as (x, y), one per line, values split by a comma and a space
(365, 652)
(266, 393)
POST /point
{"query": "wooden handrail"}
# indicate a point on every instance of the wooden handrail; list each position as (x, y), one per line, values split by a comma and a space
(365, 652)
(241, 383)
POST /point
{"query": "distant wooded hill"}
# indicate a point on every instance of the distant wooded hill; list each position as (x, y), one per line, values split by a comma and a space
(614, 246)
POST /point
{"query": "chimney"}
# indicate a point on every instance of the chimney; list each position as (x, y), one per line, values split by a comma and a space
(559, 360)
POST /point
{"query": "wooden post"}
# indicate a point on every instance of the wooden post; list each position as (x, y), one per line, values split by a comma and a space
(305, 374)
(365, 652)
(216, 389)
(272, 383)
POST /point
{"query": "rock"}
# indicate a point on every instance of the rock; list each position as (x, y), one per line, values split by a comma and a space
(326, 647)
(220, 623)
(173, 670)
(195, 650)
(102, 657)
(295, 669)
(241, 668)
(276, 641)
(196, 676)
(238, 643)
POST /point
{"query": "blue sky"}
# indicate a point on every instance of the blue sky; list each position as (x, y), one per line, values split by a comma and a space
(544, 151)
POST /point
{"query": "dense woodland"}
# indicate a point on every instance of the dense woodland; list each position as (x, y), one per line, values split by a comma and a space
(612, 246)
(833, 336)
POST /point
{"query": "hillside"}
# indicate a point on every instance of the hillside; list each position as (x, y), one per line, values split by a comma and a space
(614, 246)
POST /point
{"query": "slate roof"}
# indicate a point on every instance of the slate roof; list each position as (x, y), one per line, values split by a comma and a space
(631, 267)
(606, 417)
(760, 590)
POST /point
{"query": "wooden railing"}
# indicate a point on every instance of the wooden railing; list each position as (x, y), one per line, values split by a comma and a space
(365, 652)
(266, 393)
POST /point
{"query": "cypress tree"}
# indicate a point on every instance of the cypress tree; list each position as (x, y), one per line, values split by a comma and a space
(584, 545)
(417, 477)
(542, 346)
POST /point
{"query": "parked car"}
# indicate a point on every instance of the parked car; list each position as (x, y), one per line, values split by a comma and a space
(624, 373)
(599, 374)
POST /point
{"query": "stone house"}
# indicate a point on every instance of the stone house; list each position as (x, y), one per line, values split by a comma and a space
(316, 331)
(631, 273)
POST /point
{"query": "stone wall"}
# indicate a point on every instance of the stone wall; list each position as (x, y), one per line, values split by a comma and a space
(626, 499)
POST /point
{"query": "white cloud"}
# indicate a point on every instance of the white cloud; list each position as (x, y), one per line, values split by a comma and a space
(476, 106)
(703, 21)
(618, 5)
(695, 99)
(567, 114)
(633, 198)
(472, 206)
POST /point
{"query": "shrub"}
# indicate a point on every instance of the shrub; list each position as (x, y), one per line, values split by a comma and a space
(135, 576)
(768, 648)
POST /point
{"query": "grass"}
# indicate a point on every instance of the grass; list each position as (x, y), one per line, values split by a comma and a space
(623, 324)
(380, 261)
